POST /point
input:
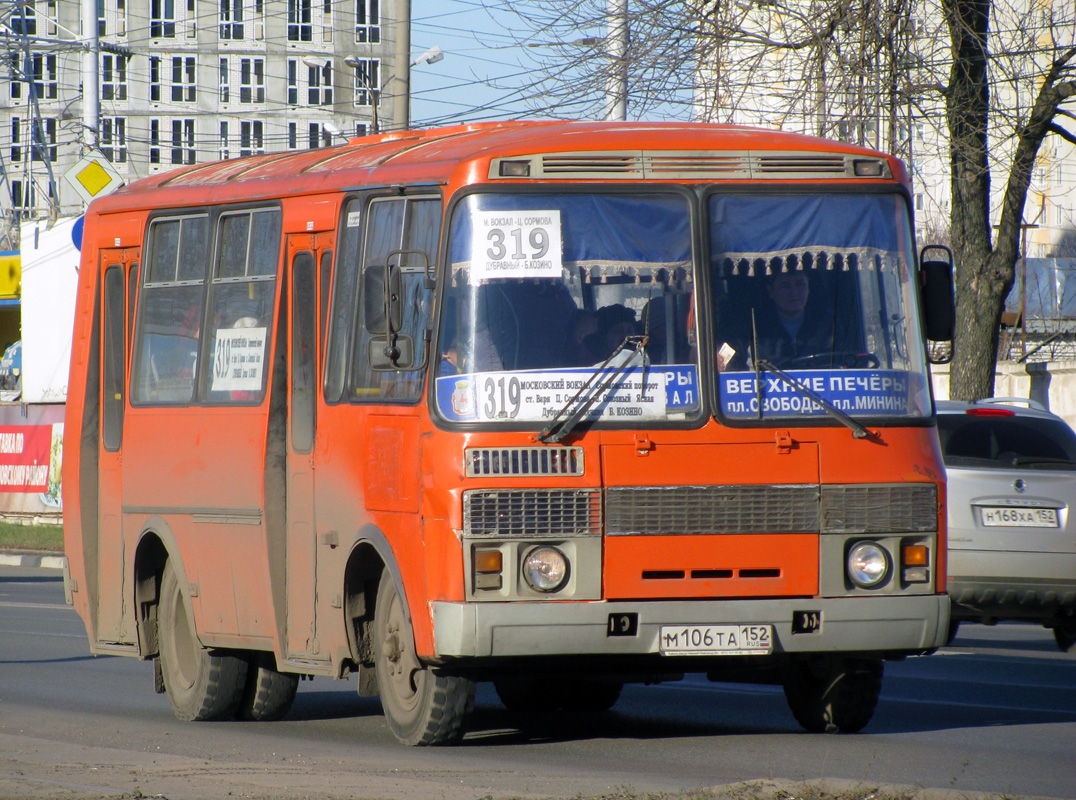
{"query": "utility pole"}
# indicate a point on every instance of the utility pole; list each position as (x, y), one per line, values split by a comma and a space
(91, 86)
(401, 92)
(616, 50)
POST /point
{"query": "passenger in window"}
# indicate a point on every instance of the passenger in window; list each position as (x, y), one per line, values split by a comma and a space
(789, 330)
(582, 323)
(615, 322)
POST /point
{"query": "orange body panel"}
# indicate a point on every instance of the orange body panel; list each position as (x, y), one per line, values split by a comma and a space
(775, 565)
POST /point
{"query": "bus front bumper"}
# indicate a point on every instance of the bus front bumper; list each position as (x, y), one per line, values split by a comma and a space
(891, 625)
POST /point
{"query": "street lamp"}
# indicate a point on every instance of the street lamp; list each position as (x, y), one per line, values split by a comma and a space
(364, 74)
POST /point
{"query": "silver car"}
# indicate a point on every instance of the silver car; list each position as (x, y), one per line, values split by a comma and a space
(1011, 469)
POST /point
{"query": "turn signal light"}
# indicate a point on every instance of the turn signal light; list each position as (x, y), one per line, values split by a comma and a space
(915, 555)
(487, 561)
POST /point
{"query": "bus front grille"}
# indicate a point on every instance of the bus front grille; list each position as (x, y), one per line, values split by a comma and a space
(532, 513)
(871, 508)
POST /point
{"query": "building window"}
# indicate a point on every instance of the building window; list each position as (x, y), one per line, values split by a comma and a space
(44, 138)
(320, 84)
(367, 81)
(155, 79)
(300, 21)
(293, 135)
(252, 80)
(111, 17)
(225, 87)
(184, 85)
(45, 83)
(313, 132)
(183, 151)
(368, 21)
(231, 19)
(251, 138)
(23, 20)
(113, 77)
(24, 197)
(293, 81)
(224, 151)
(16, 139)
(162, 19)
(362, 129)
(154, 141)
(114, 139)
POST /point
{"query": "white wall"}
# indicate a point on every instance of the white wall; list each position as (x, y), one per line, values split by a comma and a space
(1052, 383)
(49, 284)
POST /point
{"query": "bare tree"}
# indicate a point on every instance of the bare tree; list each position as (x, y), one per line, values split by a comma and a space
(992, 77)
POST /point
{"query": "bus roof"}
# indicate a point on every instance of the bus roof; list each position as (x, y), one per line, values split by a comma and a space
(611, 150)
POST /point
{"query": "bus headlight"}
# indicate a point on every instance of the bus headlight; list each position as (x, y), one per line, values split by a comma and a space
(867, 564)
(545, 569)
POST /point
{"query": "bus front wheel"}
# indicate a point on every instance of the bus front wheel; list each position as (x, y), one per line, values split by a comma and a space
(201, 684)
(831, 694)
(422, 705)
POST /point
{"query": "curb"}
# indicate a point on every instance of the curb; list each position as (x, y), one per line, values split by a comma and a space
(31, 560)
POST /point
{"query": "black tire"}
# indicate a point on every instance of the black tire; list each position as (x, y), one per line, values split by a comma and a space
(269, 694)
(534, 693)
(422, 705)
(833, 694)
(954, 629)
(1065, 635)
(201, 684)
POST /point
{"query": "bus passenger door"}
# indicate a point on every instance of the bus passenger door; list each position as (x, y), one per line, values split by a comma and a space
(305, 253)
(115, 615)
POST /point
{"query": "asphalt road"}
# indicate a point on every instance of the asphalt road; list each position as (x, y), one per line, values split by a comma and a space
(994, 713)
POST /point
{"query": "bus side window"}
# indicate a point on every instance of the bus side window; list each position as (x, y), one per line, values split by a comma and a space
(242, 294)
(114, 358)
(169, 314)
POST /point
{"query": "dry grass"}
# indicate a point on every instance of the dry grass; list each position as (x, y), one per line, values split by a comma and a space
(37, 538)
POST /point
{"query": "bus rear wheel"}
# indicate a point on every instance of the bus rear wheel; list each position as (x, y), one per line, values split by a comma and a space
(269, 693)
(422, 705)
(201, 684)
(832, 694)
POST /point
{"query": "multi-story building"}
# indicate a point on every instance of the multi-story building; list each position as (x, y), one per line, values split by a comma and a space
(870, 71)
(185, 81)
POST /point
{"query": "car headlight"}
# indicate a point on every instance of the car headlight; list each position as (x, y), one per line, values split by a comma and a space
(545, 569)
(868, 565)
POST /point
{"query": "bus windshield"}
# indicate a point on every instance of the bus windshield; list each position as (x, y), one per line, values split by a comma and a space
(544, 288)
(817, 287)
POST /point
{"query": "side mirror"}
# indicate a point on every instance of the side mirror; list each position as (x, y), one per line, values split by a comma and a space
(939, 305)
(381, 299)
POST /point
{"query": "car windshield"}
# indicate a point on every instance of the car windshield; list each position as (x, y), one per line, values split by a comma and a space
(545, 288)
(1006, 442)
(817, 287)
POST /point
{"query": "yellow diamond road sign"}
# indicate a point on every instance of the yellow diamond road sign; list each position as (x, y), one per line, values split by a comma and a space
(93, 176)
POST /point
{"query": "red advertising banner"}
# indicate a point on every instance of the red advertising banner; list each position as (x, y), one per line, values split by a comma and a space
(25, 453)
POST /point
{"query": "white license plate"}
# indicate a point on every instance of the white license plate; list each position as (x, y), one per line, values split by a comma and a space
(716, 640)
(1019, 517)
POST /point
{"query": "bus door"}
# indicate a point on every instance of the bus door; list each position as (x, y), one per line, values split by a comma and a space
(115, 621)
(306, 255)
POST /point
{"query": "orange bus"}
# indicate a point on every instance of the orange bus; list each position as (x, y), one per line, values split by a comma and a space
(556, 405)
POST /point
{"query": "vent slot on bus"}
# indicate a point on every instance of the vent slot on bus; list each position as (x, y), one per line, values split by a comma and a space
(511, 461)
(880, 508)
(532, 513)
(690, 165)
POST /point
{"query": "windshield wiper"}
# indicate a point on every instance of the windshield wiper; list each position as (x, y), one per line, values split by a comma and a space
(565, 420)
(858, 431)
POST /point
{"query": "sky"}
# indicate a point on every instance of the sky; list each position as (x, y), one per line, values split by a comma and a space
(477, 49)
